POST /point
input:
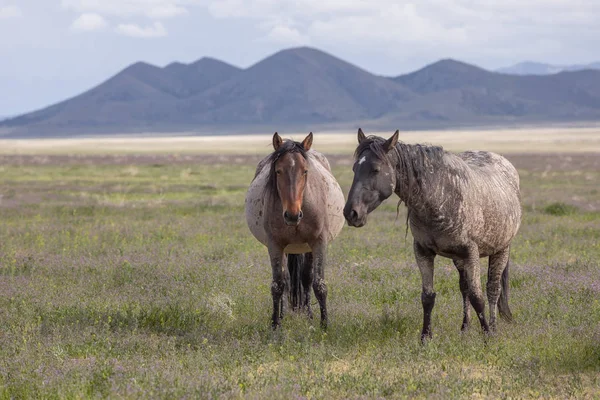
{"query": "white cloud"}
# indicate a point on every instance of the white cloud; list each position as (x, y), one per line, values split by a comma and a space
(485, 29)
(153, 31)
(154, 9)
(405, 31)
(286, 35)
(393, 25)
(89, 22)
(10, 11)
(166, 11)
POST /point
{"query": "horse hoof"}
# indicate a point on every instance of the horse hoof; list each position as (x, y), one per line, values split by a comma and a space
(425, 337)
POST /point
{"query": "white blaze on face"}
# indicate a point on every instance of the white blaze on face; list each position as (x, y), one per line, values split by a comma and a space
(293, 162)
(362, 160)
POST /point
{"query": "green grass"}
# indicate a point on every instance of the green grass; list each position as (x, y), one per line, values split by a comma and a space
(560, 209)
(143, 281)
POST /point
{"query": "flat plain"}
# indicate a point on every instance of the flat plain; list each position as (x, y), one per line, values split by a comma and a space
(127, 271)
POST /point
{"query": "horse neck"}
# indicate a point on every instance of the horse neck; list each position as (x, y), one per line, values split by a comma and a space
(414, 180)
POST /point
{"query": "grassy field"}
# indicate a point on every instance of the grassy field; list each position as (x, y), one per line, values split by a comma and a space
(136, 277)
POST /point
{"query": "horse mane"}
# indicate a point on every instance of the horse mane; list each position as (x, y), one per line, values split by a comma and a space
(288, 146)
(415, 161)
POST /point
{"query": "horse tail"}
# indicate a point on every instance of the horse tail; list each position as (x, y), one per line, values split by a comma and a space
(503, 307)
(296, 264)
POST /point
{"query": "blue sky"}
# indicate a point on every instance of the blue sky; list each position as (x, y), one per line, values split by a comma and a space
(54, 49)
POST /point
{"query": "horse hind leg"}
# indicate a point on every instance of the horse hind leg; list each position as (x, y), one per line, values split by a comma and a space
(294, 280)
(473, 277)
(503, 307)
(464, 290)
(307, 281)
(497, 266)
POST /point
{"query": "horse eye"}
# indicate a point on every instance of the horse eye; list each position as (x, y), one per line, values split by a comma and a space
(278, 172)
(376, 169)
(305, 171)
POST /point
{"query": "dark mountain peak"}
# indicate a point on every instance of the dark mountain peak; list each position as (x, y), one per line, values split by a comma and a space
(303, 55)
(304, 61)
(140, 67)
(204, 66)
(451, 66)
(303, 51)
(207, 60)
(207, 72)
(445, 74)
(175, 65)
(200, 75)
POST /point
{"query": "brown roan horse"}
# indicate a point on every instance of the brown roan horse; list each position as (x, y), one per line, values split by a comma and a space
(294, 206)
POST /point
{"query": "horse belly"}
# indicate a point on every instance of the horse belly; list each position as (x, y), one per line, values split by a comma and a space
(297, 248)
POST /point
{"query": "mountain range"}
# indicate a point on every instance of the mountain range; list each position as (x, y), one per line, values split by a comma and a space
(307, 89)
(536, 68)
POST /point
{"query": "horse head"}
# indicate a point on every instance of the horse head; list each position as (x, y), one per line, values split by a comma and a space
(291, 170)
(374, 177)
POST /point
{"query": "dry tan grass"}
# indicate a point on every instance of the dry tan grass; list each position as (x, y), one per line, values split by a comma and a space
(539, 140)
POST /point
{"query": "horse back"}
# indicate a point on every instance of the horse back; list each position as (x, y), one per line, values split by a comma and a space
(485, 165)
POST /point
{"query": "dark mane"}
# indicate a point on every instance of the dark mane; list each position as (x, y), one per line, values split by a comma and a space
(288, 146)
(412, 156)
(415, 159)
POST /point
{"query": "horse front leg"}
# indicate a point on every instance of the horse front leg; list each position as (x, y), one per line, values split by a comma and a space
(277, 284)
(425, 260)
(319, 286)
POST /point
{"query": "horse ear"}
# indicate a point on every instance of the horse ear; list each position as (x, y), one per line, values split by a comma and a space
(361, 136)
(277, 141)
(307, 142)
(391, 142)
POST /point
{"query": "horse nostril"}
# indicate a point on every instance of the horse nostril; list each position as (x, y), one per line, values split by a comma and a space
(300, 214)
(353, 214)
(286, 215)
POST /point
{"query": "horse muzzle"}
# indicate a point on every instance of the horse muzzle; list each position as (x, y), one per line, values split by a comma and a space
(292, 219)
(354, 218)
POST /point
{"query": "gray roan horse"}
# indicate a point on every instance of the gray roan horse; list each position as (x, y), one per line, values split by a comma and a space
(294, 206)
(462, 206)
